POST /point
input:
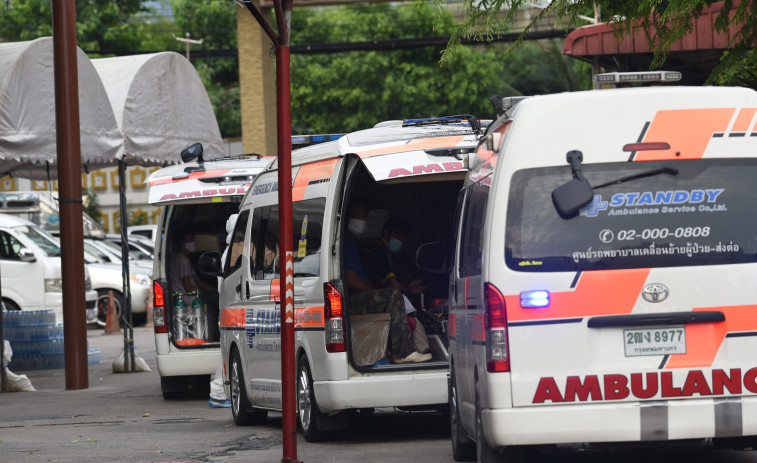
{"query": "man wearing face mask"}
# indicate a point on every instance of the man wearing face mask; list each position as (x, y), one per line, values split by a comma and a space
(182, 276)
(366, 298)
(379, 266)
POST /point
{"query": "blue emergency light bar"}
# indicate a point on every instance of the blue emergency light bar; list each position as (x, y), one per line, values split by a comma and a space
(314, 139)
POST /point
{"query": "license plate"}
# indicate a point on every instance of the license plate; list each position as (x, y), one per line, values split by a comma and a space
(655, 341)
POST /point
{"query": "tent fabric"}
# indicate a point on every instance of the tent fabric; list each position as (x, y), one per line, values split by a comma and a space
(161, 106)
(27, 112)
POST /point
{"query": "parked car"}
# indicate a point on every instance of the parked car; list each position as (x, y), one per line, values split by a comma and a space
(31, 269)
(108, 251)
(108, 276)
(146, 233)
(137, 249)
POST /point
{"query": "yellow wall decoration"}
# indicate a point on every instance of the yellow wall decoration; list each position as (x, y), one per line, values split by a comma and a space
(7, 184)
(99, 180)
(137, 177)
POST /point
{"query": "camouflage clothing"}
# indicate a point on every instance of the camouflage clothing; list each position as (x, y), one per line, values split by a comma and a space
(387, 300)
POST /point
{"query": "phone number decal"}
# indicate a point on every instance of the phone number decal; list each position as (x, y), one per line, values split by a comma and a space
(608, 236)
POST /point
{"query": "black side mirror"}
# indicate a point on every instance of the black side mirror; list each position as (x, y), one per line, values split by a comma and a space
(432, 257)
(191, 153)
(209, 264)
(569, 197)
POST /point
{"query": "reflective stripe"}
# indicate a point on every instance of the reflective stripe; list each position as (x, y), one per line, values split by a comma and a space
(310, 172)
(728, 419)
(232, 318)
(653, 421)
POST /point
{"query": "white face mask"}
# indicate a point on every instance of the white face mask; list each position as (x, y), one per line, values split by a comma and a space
(357, 226)
(190, 246)
(395, 245)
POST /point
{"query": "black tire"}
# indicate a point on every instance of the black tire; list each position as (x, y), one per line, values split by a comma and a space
(241, 410)
(463, 449)
(309, 416)
(173, 387)
(485, 454)
(10, 305)
(139, 319)
(102, 306)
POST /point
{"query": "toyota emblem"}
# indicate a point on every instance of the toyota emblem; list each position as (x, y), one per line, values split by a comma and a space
(654, 292)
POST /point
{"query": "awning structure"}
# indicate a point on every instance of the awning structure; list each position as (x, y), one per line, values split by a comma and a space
(27, 112)
(161, 107)
(696, 55)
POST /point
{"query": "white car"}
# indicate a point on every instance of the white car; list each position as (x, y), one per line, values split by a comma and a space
(106, 277)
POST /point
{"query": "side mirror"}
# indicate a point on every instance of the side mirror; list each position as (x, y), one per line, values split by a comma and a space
(191, 153)
(569, 197)
(209, 264)
(26, 255)
(432, 257)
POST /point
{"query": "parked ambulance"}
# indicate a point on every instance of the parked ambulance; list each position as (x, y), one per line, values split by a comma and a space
(410, 169)
(603, 282)
(197, 196)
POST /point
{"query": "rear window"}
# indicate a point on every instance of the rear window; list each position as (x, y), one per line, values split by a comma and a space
(705, 214)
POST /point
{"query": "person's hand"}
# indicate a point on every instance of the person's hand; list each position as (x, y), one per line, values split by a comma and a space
(416, 287)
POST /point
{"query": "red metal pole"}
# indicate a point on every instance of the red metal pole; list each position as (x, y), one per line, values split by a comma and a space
(284, 120)
(69, 176)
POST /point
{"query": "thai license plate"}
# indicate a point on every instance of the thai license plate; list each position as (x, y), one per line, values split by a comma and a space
(655, 341)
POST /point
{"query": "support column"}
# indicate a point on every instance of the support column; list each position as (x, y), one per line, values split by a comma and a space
(257, 82)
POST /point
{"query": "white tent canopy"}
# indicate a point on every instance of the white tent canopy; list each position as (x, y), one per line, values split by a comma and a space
(161, 106)
(27, 112)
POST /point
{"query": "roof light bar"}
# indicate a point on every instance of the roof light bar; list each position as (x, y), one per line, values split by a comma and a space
(637, 77)
(648, 146)
(314, 139)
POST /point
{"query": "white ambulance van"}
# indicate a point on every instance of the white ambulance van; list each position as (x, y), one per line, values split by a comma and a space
(603, 284)
(409, 169)
(198, 197)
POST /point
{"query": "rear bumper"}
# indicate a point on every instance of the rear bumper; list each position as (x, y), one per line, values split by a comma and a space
(189, 363)
(382, 390)
(622, 422)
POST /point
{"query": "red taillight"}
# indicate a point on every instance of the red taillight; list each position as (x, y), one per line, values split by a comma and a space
(159, 308)
(497, 349)
(333, 313)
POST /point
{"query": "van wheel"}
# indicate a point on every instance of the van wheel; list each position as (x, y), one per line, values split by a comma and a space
(309, 416)
(462, 447)
(241, 410)
(102, 306)
(485, 454)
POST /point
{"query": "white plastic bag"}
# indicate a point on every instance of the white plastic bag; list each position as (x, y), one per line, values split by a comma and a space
(119, 363)
(7, 354)
(18, 383)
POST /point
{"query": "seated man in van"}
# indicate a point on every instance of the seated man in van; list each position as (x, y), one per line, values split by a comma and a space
(366, 298)
(379, 265)
(183, 277)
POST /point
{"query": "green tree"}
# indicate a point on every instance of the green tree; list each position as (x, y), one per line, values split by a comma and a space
(355, 90)
(670, 20)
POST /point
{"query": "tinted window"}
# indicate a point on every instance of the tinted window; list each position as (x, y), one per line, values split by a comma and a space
(472, 236)
(10, 247)
(236, 245)
(703, 215)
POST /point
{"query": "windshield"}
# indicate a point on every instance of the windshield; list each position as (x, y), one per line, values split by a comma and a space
(704, 215)
(46, 242)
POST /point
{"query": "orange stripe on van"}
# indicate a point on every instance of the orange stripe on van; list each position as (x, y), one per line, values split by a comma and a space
(688, 131)
(232, 318)
(743, 120)
(412, 145)
(704, 340)
(603, 292)
(275, 290)
(309, 172)
(308, 317)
